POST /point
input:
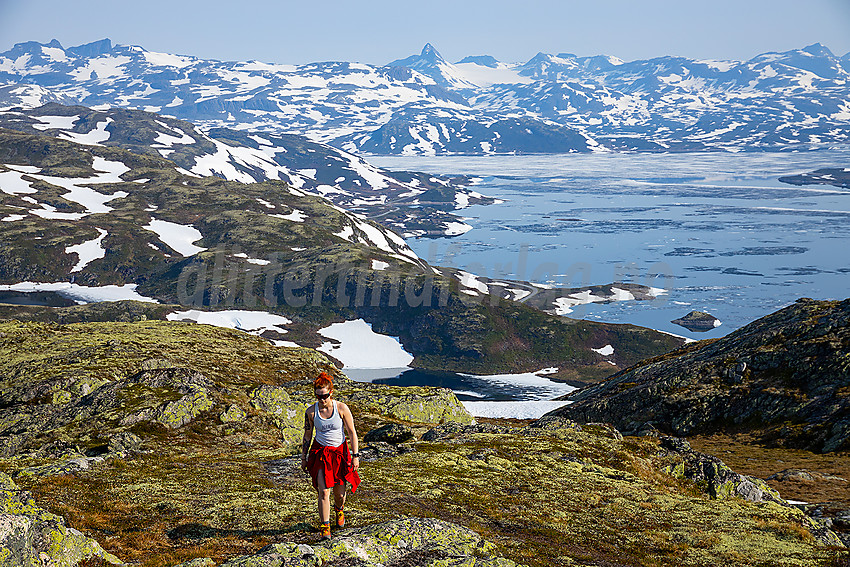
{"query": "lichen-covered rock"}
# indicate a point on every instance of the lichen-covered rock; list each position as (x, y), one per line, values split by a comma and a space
(287, 414)
(33, 537)
(124, 443)
(423, 542)
(233, 414)
(554, 422)
(69, 464)
(717, 480)
(412, 404)
(180, 412)
(199, 562)
(713, 476)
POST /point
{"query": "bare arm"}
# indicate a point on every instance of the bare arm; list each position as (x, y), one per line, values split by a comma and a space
(308, 436)
(348, 423)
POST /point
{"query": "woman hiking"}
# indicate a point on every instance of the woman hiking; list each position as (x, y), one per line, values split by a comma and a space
(328, 460)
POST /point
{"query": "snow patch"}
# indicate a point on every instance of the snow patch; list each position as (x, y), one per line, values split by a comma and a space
(607, 350)
(88, 251)
(81, 293)
(93, 138)
(360, 347)
(178, 237)
(253, 322)
(58, 122)
(294, 216)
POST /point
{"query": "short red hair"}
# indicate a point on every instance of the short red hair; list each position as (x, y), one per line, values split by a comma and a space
(322, 381)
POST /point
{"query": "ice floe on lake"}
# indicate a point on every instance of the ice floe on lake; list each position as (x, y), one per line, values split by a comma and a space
(535, 384)
(515, 410)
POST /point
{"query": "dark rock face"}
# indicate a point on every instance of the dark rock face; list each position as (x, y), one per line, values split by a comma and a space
(786, 376)
(389, 433)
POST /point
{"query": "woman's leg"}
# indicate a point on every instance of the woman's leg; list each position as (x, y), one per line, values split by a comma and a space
(339, 495)
(324, 496)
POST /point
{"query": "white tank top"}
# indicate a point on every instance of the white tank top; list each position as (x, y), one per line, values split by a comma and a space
(329, 432)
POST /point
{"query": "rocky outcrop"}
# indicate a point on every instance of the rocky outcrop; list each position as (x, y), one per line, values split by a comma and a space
(838, 176)
(423, 542)
(412, 403)
(32, 537)
(698, 321)
(393, 433)
(715, 478)
(786, 376)
(75, 395)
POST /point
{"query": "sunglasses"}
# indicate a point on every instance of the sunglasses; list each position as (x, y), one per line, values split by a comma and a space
(323, 396)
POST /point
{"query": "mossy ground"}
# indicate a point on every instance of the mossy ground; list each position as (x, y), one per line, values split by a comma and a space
(544, 497)
(551, 498)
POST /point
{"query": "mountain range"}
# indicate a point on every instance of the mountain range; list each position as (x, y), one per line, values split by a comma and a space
(422, 104)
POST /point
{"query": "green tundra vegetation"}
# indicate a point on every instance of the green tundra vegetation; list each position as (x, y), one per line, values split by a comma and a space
(159, 443)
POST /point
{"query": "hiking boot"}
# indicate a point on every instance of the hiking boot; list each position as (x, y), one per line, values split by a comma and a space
(326, 531)
(340, 518)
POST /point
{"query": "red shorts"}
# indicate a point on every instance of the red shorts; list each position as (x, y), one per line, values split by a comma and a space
(336, 462)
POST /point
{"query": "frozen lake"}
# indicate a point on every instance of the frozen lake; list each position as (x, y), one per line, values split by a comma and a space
(718, 231)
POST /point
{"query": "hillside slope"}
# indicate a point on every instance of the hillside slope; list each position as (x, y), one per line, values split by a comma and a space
(785, 376)
(414, 204)
(98, 216)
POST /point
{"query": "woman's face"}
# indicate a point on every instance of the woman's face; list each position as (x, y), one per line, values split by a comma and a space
(323, 394)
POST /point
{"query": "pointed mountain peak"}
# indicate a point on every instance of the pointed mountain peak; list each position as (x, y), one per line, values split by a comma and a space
(430, 53)
(55, 43)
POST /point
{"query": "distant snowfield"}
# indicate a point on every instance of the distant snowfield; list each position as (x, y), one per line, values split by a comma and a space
(484, 76)
(93, 138)
(78, 188)
(515, 410)
(360, 347)
(83, 294)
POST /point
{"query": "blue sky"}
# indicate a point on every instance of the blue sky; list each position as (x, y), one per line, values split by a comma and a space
(378, 31)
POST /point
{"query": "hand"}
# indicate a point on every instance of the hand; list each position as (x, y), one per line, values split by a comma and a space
(303, 463)
(355, 462)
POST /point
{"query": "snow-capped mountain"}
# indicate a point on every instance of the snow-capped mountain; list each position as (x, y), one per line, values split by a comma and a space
(430, 63)
(425, 105)
(415, 204)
